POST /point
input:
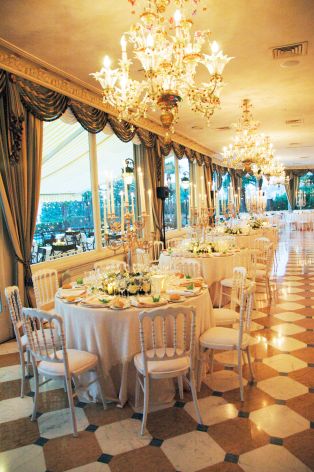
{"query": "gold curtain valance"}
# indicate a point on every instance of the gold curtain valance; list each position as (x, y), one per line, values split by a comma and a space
(47, 105)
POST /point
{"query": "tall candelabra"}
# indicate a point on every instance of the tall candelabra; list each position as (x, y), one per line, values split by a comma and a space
(301, 199)
(256, 203)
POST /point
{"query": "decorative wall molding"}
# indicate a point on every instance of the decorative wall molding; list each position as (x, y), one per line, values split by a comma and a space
(26, 66)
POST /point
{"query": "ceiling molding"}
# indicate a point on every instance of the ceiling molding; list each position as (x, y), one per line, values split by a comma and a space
(25, 65)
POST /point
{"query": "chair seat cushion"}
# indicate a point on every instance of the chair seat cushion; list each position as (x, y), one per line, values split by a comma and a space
(225, 315)
(227, 282)
(79, 361)
(223, 338)
(164, 365)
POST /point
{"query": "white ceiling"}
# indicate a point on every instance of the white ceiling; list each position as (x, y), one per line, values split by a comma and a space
(74, 35)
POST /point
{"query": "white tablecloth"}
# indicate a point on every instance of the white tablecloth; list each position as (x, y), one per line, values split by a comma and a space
(213, 269)
(114, 337)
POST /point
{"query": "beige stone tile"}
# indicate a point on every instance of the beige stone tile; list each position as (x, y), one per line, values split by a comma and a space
(282, 388)
(279, 421)
(271, 458)
(284, 363)
(192, 451)
(289, 316)
(122, 436)
(27, 459)
(286, 329)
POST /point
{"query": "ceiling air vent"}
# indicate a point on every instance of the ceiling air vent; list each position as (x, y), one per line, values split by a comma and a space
(296, 122)
(223, 128)
(197, 127)
(290, 50)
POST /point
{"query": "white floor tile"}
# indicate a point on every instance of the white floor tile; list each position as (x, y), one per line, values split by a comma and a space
(121, 436)
(27, 459)
(271, 458)
(192, 451)
(15, 408)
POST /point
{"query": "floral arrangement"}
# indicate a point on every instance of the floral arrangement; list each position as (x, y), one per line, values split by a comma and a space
(233, 230)
(124, 283)
(255, 223)
(196, 247)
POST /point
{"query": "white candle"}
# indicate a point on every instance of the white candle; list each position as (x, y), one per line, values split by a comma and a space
(126, 193)
(142, 194)
(122, 213)
(132, 207)
(112, 197)
(108, 195)
(150, 209)
(105, 213)
(209, 195)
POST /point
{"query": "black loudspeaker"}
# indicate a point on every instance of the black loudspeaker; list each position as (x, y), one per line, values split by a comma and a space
(162, 193)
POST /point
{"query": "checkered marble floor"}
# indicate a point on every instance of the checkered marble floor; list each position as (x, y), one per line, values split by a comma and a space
(271, 431)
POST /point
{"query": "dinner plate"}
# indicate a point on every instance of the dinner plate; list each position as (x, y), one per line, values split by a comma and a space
(127, 305)
(96, 303)
(180, 300)
(72, 302)
(147, 302)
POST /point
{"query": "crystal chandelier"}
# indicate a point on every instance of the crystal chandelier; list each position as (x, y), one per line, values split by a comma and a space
(275, 173)
(249, 151)
(169, 53)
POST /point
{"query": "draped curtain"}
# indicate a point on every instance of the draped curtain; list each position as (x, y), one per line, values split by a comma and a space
(20, 170)
(292, 186)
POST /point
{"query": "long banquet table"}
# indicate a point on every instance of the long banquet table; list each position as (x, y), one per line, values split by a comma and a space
(114, 337)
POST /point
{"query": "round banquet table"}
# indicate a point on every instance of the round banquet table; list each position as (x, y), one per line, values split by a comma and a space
(213, 269)
(114, 336)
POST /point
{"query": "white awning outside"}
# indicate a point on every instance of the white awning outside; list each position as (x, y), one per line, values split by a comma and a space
(66, 166)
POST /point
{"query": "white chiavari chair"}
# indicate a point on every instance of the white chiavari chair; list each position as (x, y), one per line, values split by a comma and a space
(263, 274)
(240, 259)
(173, 242)
(260, 247)
(172, 357)
(12, 295)
(158, 247)
(45, 287)
(190, 268)
(103, 266)
(230, 339)
(228, 316)
(52, 359)
(142, 257)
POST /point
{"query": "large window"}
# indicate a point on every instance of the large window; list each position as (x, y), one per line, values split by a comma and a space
(276, 196)
(184, 176)
(306, 185)
(117, 193)
(170, 202)
(65, 215)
